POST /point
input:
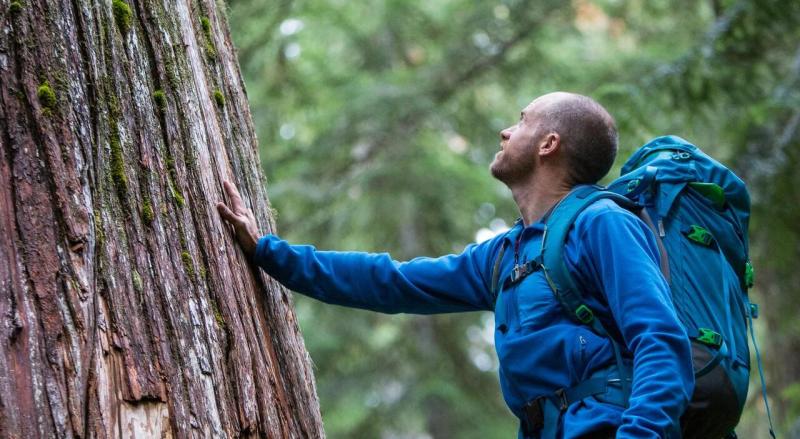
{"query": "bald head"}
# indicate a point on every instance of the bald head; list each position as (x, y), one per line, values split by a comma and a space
(588, 133)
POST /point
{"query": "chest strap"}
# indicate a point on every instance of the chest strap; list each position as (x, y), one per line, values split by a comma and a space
(521, 271)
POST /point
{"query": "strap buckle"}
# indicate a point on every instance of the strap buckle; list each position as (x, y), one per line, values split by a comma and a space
(710, 338)
(633, 184)
(534, 413)
(521, 270)
(517, 272)
(561, 397)
(754, 310)
(699, 235)
(749, 275)
(584, 314)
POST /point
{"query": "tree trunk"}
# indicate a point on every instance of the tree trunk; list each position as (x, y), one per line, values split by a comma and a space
(127, 310)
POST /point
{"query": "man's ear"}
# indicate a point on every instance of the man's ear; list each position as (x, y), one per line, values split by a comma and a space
(550, 144)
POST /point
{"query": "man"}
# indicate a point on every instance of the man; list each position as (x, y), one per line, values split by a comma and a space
(562, 140)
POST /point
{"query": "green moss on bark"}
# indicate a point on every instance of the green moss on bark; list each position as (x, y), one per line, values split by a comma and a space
(187, 263)
(137, 281)
(178, 198)
(172, 175)
(118, 162)
(113, 104)
(122, 15)
(160, 99)
(15, 7)
(211, 49)
(219, 98)
(147, 212)
(99, 234)
(218, 315)
(47, 97)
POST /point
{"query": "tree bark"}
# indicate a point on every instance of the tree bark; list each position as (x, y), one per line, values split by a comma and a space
(127, 310)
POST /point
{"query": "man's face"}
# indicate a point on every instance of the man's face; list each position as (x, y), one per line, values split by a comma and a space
(517, 157)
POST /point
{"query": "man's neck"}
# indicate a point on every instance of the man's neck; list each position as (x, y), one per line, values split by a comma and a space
(537, 195)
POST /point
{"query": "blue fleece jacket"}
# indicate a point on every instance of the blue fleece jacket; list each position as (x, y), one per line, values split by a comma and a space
(613, 257)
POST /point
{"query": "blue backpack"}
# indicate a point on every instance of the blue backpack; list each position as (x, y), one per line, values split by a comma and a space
(699, 210)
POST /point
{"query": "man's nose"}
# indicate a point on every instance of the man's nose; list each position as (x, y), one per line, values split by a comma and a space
(506, 133)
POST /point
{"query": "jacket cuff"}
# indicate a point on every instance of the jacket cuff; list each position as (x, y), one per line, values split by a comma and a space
(262, 250)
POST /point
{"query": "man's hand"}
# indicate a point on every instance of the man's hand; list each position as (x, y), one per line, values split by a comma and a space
(241, 218)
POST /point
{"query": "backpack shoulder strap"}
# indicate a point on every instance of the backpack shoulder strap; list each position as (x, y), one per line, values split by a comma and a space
(557, 228)
(496, 269)
(557, 275)
(495, 287)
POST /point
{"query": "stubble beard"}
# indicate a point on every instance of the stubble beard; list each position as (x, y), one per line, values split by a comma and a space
(509, 171)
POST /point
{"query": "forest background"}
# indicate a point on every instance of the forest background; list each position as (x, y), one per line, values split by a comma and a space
(377, 120)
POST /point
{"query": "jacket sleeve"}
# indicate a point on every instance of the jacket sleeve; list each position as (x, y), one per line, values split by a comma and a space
(618, 254)
(374, 281)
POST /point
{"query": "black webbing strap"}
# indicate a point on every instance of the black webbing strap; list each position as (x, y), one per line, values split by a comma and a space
(496, 270)
(521, 271)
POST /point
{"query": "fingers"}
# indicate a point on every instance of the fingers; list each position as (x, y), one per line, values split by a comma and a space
(227, 214)
(233, 194)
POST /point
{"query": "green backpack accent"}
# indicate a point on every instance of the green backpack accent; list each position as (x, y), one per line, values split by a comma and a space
(712, 191)
(699, 235)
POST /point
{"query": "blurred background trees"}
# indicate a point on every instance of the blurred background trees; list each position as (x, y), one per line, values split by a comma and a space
(377, 120)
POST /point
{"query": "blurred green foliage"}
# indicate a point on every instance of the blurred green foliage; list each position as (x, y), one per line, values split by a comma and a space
(377, 120)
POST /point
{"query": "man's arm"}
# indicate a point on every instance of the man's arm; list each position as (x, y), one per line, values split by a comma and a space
(619, 254)
(364, 280)
(374, 281)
